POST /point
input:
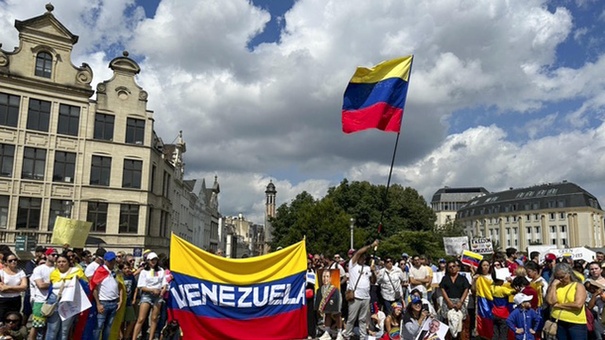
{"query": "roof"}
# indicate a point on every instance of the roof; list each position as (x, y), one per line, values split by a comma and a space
(544, 196)
(448, 194)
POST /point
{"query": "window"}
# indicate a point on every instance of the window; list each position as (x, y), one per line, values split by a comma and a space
(100, 172)
(129, 218)
(149, 219)
(9, 109)
(553, 229)
(527, 218)
(563, 242)
(535, 206)
(131, 177)
(104, 126)
(28, 213)
(65, 167)
(38, 115)
(58, 208)
(553, 241)
(552, 216)
(537, 230)
(34, 162)
(152, 182)
(536, 217)
(7, 157)
(97, 214)
(560, 203)
(166, 184)
(135, 131)
(4, 204)
(44, 65)
(562, 216)
(69, 120)
(529, 230)
(562, 228)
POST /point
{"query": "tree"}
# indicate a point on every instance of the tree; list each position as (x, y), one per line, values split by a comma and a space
(325, 222)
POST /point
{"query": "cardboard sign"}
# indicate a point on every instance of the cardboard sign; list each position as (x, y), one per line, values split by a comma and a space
(579, 253)
(72, 232)
(482, 246)
(454, 246)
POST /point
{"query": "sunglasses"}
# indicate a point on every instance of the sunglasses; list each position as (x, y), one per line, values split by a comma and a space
(11, 260)
(12, 321)
(119, 256)
(389, 261)
(131, 261)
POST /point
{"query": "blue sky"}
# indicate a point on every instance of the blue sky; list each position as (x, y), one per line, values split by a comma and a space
(503, 93)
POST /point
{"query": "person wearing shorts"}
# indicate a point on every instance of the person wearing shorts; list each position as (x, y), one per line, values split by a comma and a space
(39, 282)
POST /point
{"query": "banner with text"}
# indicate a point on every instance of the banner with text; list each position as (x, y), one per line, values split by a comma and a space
(482, 245)
(454, 246)
(69, 231)
(253, 298)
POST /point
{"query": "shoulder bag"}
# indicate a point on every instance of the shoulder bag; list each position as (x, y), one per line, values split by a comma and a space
(48, 309)
(350, 293)
(550, 327)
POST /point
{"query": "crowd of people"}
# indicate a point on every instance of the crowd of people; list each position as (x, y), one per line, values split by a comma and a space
(507, 295)
(128, 295)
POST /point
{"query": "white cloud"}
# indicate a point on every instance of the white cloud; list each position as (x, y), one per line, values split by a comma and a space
(274, 112)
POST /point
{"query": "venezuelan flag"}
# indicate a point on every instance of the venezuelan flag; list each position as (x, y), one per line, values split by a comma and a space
(485, 303)
(255, 298)
(471, 259)
(375, 96)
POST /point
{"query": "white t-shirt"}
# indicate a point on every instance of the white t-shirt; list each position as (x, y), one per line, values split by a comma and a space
(41, 272)
(419, 274)
(91, 268)
(152, 281)
(108, 288)
(11, 280)
(363, 287)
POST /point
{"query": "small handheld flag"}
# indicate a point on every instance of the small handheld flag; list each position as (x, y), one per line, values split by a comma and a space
(471, 259)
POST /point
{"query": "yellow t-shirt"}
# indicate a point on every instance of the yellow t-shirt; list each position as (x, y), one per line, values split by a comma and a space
(567, 294)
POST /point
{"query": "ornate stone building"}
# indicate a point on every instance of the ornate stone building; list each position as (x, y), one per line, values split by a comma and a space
(446, 202)
(64, 154)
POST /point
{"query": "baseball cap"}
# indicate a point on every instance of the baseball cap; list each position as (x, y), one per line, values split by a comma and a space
(109, 256)
(351, 251)
(520, 298)
(405, 255)
(442, 261)
(550, 257)
(50, 251)
(152, 256)
(416, 299)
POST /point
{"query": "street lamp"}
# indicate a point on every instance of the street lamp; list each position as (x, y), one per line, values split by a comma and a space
(352, 220)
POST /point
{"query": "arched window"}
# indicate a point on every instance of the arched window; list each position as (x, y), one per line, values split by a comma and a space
(44, 64)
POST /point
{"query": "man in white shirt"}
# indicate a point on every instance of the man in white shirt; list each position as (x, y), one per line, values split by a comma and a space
(420, 276)
(390, 279)
(359, 281)
(92, 267)
(107, 295)
(39, 283)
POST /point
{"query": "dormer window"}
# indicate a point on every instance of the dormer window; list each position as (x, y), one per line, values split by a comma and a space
(44, 62)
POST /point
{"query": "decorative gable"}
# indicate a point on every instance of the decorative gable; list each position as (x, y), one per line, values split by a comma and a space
(48, 26)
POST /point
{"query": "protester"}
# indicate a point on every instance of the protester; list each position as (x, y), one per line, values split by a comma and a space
(420, 276)
(59, 277)
(92, 267)
(39, 283)
(13, 281)
(29, 269)
(107, 295)
(455, 289)
(359, 282)
(13, 327)
(390, 279)
(567, 296)
(152, 282)
(523, 321)
(413, 319)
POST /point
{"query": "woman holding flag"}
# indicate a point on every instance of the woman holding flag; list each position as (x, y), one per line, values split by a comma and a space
(59, 278)
(482, 286)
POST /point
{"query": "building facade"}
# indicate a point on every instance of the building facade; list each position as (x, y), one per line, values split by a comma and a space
(446, 202)
(64, 154)
(559, 214)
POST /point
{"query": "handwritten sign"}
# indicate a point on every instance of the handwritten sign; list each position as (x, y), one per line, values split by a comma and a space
(72, 232)
(482, 246)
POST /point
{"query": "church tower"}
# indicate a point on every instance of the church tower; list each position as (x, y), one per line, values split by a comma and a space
(270, 194)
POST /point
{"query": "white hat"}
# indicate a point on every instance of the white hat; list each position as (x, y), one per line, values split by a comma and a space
(520, 298)
(152, 256)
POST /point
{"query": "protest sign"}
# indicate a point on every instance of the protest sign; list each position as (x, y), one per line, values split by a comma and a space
(482, 245)
(455, 245)
(578, 253)
(69, 231)
(502, 274)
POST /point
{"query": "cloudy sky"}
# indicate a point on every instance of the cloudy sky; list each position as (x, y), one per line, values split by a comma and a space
(502, 93)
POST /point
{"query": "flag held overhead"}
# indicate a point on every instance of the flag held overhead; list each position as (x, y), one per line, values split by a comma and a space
(375, 97)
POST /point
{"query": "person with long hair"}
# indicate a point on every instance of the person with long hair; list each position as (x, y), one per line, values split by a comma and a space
(152, 282)
(413, 318)
(13, 281)
(59, 277)
(392, 324)
(567, 296)
(482, 287)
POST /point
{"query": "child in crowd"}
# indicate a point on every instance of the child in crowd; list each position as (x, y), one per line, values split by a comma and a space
(523, 320)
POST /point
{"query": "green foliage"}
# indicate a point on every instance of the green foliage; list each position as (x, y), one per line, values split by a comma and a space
(407, 221)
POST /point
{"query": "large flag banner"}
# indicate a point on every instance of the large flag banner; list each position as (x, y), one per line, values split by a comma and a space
(259, 297)
(485, 303)
(375, 97)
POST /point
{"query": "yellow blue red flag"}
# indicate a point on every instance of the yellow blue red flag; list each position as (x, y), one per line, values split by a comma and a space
(259, 297)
